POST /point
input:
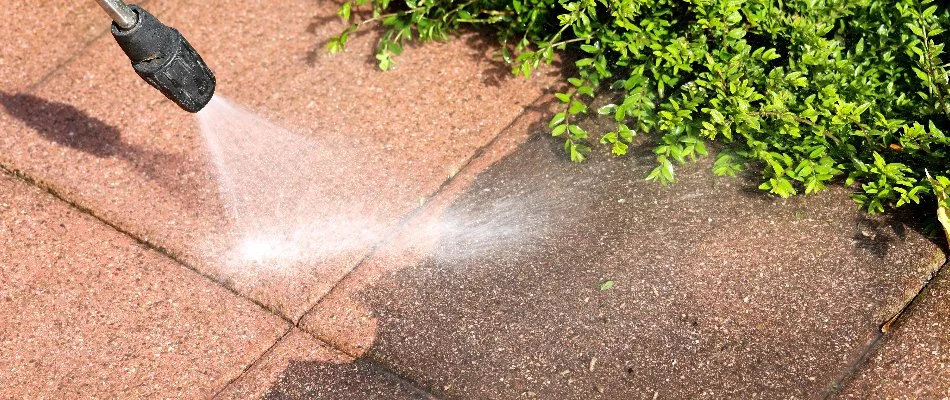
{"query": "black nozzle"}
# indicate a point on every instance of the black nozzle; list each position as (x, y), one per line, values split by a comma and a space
(164, 59)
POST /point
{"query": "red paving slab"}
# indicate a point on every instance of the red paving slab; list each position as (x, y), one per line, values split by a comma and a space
(300, 367)
(383, 141)
(913, 359)
(38, 37)
(86, 312)
(718, 291)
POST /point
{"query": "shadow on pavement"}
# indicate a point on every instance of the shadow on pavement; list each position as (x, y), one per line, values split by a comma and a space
(326, 380)
(64, 124)
(68, 126)
(494, 71)
(879, 235)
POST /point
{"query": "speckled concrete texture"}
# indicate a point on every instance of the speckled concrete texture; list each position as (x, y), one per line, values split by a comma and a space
(86, 312)
(39, 36)
(913, 359)
(715, 290)
(300, 367)
(99, 136)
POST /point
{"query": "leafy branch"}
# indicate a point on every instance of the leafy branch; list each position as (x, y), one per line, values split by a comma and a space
(805, 93)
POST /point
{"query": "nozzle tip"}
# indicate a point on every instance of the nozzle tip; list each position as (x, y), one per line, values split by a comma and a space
(166, 61)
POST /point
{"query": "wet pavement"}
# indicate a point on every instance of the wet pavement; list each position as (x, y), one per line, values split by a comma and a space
(596, 284)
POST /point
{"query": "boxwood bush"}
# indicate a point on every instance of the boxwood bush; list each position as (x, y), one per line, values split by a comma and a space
(808, 92)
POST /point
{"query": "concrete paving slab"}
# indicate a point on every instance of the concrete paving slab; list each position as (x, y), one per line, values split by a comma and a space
(38, 37)
(546, 279)
(300, 367)
(86, 312)
(384, 141)
(913, 358)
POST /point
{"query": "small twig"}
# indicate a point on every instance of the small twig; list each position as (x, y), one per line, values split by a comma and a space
(931, 69)
(384, 16)
(824, 132)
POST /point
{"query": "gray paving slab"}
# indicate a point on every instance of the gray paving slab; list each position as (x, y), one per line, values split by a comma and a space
(912, 361)
(546, 279)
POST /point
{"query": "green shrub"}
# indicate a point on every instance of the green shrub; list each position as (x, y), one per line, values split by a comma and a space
(810, 92)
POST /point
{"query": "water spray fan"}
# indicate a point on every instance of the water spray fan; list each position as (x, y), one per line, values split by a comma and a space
(161, 56)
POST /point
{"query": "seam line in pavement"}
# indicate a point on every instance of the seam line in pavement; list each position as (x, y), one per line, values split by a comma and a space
(380, 367)
(82, 49)
(23, 176)
(404, 220)
(851, 371)
(253, 363)
(58, 67)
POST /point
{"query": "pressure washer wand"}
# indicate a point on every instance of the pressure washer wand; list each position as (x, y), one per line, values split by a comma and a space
(161, 55)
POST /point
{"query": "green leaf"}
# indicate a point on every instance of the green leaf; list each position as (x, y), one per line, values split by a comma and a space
(626, 134)
(727, 164)
(385, 61)
(577, 131)
(586, 90)
(334, 45)
(607, 285)
(663, 173)
(770, 55)
(344, 11)
(608, 109)
(589, 49)
(557, 119)
(577, 108)
(619, 148)
(810, 114)
(576, 151)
